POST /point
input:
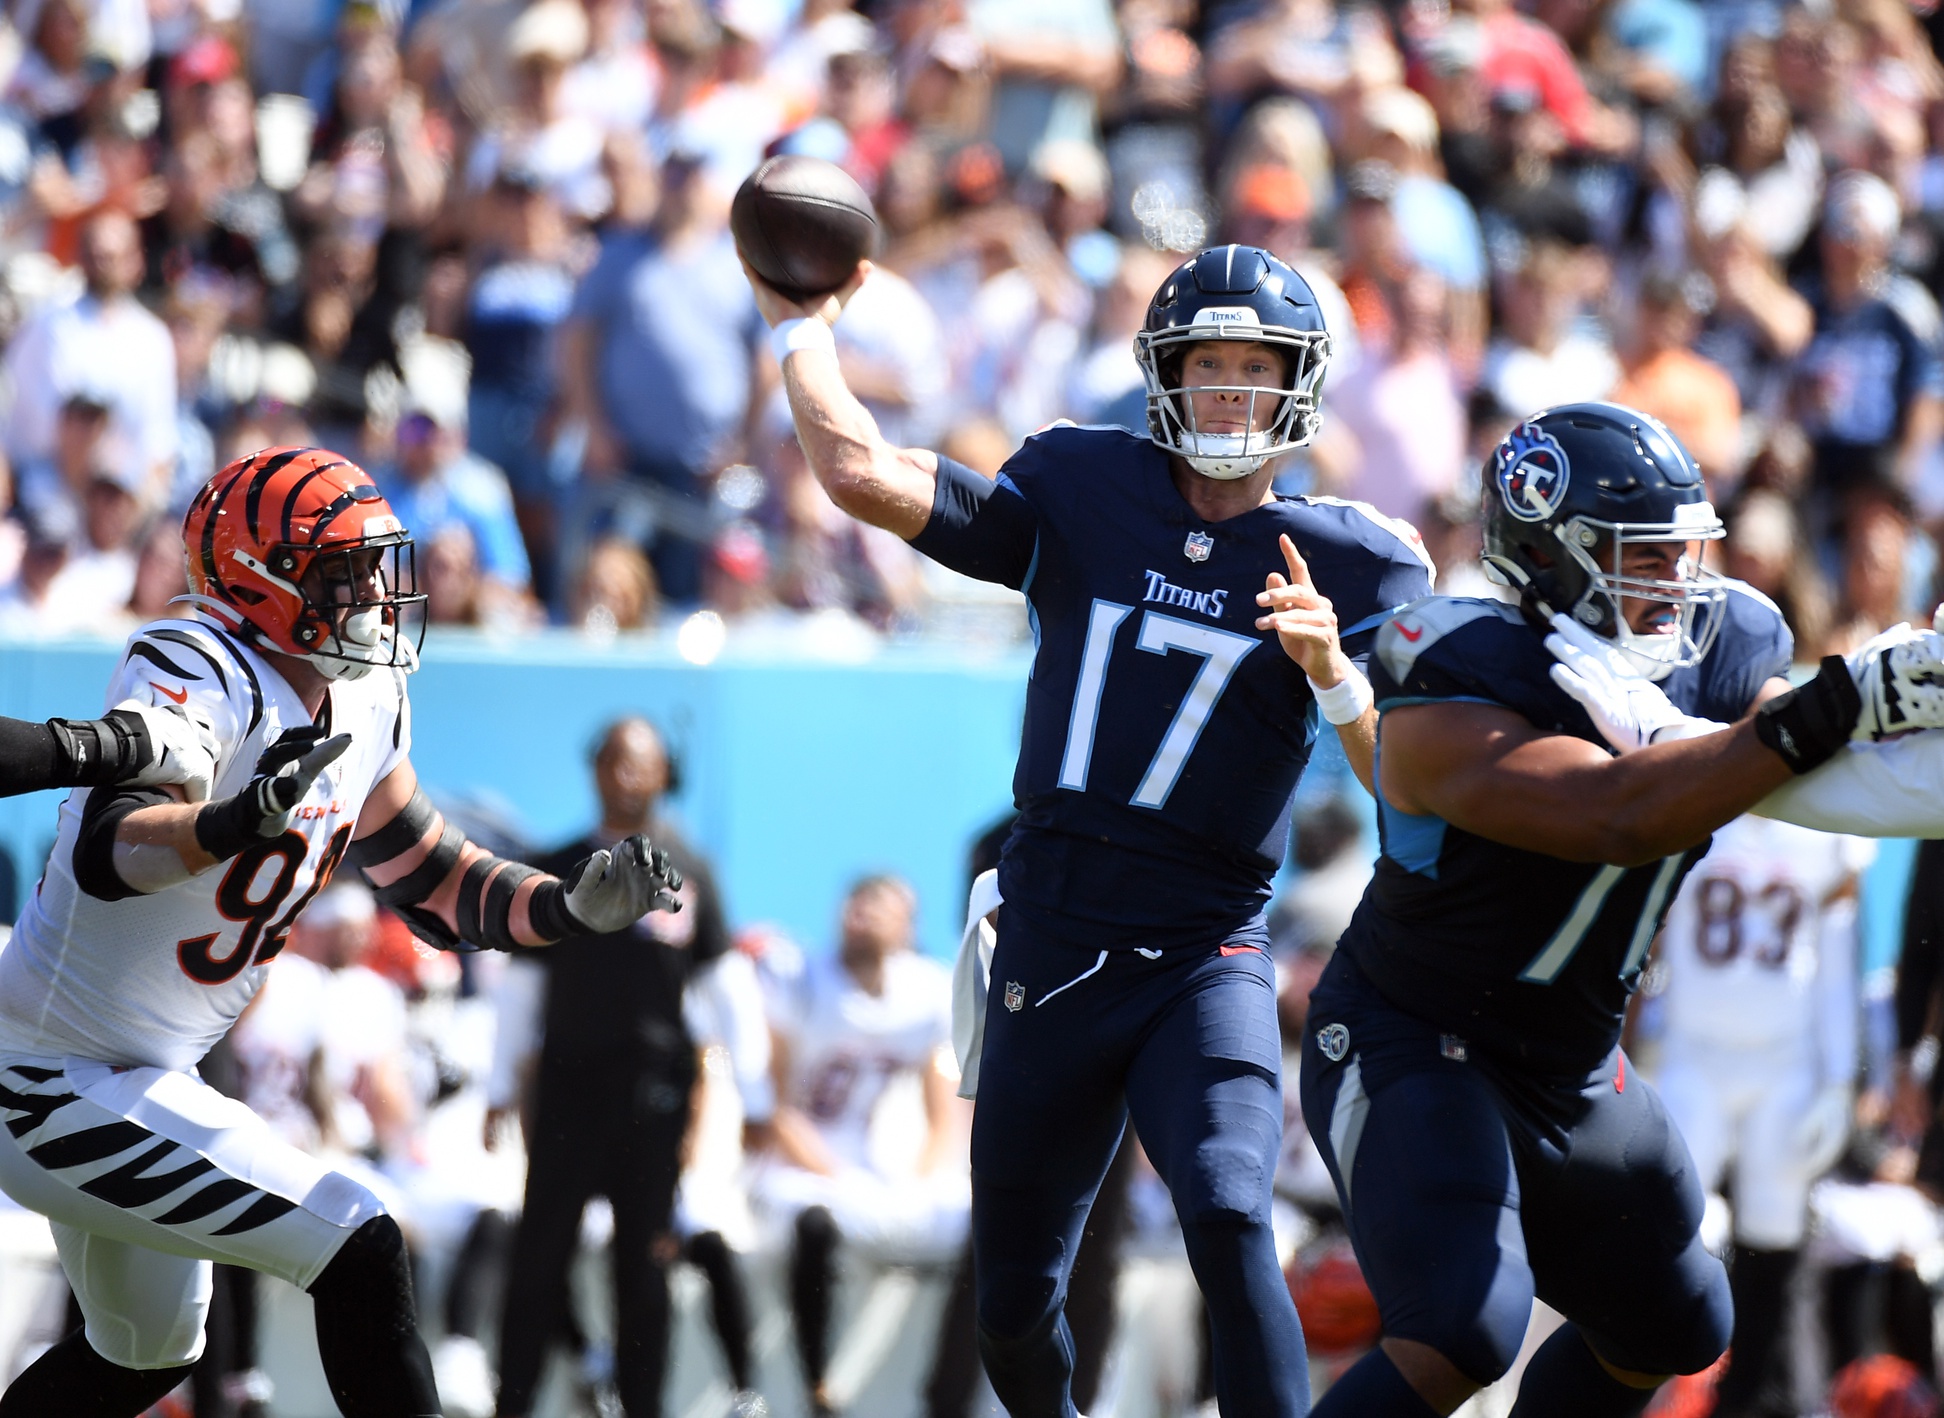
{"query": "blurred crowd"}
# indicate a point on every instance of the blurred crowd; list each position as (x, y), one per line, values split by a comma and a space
(481, 246)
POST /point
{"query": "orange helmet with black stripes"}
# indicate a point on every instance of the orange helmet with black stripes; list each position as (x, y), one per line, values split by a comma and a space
(300, 547)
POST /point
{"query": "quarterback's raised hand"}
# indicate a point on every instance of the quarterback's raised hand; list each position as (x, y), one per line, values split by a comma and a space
(611, 889)
(264, 808)
(1303, 619)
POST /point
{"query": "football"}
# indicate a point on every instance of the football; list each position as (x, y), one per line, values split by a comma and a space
(803, 224)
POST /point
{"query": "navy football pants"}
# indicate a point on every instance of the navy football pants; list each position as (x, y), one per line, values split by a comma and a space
(1471, 1187)
(1186, 1044)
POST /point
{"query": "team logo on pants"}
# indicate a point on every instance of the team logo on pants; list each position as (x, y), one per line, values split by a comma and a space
(1015, 996)
(1334, 1041)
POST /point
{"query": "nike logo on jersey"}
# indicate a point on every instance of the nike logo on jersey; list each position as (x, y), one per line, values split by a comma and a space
(1409, 634)
(180, 696)
(1208, 603)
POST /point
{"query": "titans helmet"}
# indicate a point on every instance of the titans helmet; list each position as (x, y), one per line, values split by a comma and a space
(1233, 293)
(1566, 493)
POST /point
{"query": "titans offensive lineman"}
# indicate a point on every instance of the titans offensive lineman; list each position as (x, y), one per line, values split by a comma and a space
(136, 745)
(158, 918)
(1462, 1076)
(1163, 739)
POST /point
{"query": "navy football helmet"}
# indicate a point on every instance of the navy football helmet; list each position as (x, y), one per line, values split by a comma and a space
(1567, 491)
(1236, 293)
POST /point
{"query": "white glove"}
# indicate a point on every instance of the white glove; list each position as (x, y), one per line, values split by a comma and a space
(1900, 675)
(609, 891)
(184, 744)
(1823, 1130)
(1628, 709)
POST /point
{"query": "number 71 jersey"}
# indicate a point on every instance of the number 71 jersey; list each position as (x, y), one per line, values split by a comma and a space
(156, 980)
(1164, 733)
(1527, 956)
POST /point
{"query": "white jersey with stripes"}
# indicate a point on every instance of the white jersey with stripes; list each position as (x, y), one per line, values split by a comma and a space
(156, 980)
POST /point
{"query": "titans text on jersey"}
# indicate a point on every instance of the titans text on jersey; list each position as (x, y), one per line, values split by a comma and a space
(1164, 733)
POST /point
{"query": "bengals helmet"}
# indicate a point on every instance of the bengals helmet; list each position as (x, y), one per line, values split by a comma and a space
(301, 551)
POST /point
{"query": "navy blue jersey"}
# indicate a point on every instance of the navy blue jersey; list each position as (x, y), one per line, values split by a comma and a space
(1525, 955)
(1164, 733)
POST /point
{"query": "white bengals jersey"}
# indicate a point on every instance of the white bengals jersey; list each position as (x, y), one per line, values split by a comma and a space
(1744, 941)
(846, 1045)
(155, 980)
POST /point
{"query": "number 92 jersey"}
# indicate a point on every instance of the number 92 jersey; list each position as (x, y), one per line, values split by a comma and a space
(1527, 956)
(155, 980)
(1164, 733)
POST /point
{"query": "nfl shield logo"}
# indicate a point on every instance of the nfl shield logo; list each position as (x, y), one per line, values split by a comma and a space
(1200, 544)
(1015, 996)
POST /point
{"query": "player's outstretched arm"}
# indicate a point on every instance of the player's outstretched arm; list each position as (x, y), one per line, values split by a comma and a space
(134, 745)
(864, 474)
(1489, 771)
(454, 893)
(135, 841)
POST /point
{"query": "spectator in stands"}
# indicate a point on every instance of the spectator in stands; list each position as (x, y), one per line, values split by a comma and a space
(105, 342)
(514, 308)
(1401, 404)
(95, 586)
(1692, 395)
(52, 487)
(438, 482)
(666, 310)
(1545, 354)
(848, 1028)
(1869, 389)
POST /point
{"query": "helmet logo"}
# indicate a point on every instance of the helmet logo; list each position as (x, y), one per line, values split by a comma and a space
(1532, 473)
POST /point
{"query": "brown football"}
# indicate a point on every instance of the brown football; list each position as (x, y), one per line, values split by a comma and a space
(803, 224)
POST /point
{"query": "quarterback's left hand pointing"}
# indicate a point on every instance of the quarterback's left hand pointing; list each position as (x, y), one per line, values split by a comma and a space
(611, 889)
(1303, 619)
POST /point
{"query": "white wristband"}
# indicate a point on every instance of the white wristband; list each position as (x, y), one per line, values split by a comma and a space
(1345, 701)
(804, 333)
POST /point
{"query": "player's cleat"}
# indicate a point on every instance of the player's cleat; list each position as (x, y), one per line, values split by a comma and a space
(1900, 675)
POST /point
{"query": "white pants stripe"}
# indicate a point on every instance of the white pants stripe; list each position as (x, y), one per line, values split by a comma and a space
(148, 1175)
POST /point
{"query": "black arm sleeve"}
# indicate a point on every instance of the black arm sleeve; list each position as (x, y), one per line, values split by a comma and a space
(94, 847)
(32, 758)
(980, 527)
(71, 753)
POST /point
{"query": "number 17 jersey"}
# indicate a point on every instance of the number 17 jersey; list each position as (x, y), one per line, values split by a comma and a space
(1164, 734)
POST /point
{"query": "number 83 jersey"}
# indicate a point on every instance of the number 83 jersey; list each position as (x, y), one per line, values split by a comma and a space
(155, 980)
(1164, 734)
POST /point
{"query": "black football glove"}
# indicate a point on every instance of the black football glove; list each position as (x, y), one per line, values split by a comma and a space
(283, 776)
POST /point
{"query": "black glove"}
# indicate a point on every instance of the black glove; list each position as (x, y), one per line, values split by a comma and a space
(284, 774)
